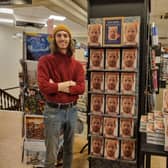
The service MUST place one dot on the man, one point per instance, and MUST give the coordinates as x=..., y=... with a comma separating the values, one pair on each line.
x=127, y=82
x=97, y=103
x=126, y=127
x=131, y=32
x=112, y=80
x=127, y=105
x=111, y=149
x=112, y=104
x=61, y=80
x=127, y=149
x=112, y=60
x=96, y=124
x=94, y=34
x=96, y=59
x=97, y=144
x=97, y=81
x=110, y=127
x=129, y=59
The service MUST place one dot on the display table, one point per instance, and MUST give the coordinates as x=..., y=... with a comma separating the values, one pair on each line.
x=11, y=138
x=148, y=150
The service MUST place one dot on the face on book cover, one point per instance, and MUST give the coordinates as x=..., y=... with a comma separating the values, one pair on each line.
x=127, y=104
x=96, y=58
x=131, y=32
x=129, y=58
x=111, y=148
x=96, y=124
x=94, y=33
x=112, y=81
x=110, y=126
x=97, y=102
x=112, y=104
x=127, y=148
x=128, y=82
x=112, y=58
x=97, y=79
x=97, y=145
x=126, y=127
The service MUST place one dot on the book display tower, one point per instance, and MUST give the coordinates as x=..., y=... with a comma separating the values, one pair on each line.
x=117, y=63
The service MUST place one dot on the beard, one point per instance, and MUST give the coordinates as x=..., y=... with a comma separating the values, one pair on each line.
x=97, y=149
x=127, y=153
x=127, y=110
x=96, y=129
x=112, y=86
x=96, y=63
x=131, y=38
x=112, y=63
x=96, y=107
x=111, y=153
x=112, y=108
x=97, y=85
x=128, y=86
x=94, y=39
x=110, y=131
x=126, y=132
x=129, y=63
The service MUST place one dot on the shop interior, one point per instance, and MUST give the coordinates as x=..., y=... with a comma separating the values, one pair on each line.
x=21, y=105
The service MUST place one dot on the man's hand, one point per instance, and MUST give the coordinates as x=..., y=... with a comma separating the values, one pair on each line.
x=51, y=81
x=64, y=86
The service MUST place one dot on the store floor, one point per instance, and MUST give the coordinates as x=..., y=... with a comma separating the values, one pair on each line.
x=11, y=145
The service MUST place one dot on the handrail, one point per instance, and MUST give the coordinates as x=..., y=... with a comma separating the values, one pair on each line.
x=11, y=88
x=8, y=102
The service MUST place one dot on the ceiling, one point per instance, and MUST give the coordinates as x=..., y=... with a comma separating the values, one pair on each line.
x=74, y=10
x=76, y=13
x=159, y=8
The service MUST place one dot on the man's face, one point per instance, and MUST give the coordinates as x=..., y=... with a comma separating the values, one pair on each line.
x=127, y=82
x=111, y=147
x=96, y=124
x=110, y=125
x=126, y=126
x=127, y=104
x=129, y=58
x=112, y=80
x=94, y=33
x=97, y=103
x=131, y=32
x=96, y=81
x=97, y=144
x=62, y=39
x=112, y=103
x=96, y=58
x=112, y=58
x=127, y=148
x=112, y=32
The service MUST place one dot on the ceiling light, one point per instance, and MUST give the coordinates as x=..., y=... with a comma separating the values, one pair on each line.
x=6, y=20
x=47, y=25
x=6, y=10
x=60, y=18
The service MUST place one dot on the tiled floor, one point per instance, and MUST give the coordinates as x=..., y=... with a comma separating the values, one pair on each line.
x=11, y=145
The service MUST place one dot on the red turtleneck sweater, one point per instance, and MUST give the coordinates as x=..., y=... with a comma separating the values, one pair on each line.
x=60, y=68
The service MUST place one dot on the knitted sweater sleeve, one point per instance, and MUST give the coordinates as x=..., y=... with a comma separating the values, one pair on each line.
x=79, y=88
x=43, y=78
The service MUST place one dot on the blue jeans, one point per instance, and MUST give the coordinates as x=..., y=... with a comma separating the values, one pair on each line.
x=58, y=121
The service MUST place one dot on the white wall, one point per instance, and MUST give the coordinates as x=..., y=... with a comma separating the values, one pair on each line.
x=10, y=54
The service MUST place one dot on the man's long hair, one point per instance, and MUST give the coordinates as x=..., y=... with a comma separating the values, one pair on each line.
x=55, y=49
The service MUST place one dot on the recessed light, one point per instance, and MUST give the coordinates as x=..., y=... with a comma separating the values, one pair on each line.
x=6, y=20
x=60, y=18
x=6, y=10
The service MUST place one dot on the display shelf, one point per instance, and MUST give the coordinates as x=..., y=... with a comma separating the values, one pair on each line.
x=102, y=10
x=107, y=70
